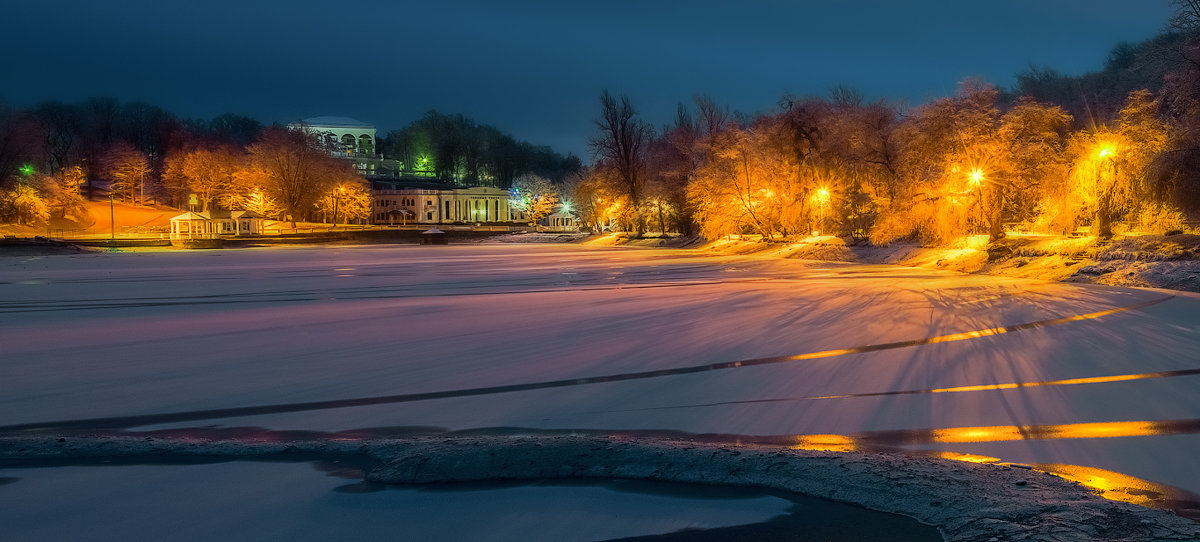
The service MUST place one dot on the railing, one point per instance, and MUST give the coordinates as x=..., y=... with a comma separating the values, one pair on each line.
x=186, y=235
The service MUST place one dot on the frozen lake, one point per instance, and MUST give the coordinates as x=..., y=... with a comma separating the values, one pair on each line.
x=376, y=340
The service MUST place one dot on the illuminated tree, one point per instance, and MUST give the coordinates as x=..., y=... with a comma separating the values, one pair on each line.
x=346, y=201
x=1033, y=137
x=63, y=197
x=127, y=169
x=1111, y=165
x=534, y=196
x=207, y=172
x=748, y=185
x=294, y=170
x=949, y=147
x=23, y=204
x=591, y=199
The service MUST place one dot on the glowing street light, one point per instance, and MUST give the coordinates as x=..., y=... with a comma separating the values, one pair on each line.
x=1103, y=224
x=822, y=197
x=337, y=198
x=976, y=178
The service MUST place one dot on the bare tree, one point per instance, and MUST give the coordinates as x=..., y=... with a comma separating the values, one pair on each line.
x=294, y=170
x=1187, y=15
x=621, y=145
x=126, y=169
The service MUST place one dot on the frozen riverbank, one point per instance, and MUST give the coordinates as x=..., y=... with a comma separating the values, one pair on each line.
x=965, y=501
x=1150, y=261
x=286, y=344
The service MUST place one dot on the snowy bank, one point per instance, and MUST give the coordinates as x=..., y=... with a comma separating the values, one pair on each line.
x=1150, y=261
x=965, y=501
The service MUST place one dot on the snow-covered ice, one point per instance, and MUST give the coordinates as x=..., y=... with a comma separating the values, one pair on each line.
x=384, y=339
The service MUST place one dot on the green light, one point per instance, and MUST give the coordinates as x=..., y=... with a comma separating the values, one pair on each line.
x=27, y=169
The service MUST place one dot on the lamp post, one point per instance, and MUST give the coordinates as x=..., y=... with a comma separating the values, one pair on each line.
x=822, y=196
x=337, y=198
x=1103, y=220
x=976, y=180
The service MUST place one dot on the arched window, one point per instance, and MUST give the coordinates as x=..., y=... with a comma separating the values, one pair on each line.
x=348, y=144
x=365, y=144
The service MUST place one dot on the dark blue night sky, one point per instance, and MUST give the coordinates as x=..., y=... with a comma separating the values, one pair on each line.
x=535, y=68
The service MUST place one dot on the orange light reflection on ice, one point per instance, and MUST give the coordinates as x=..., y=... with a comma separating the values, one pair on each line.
x=969, y=458
x=999, y=433
x=824, y=443
x=1113, y=486
x=1066, y=382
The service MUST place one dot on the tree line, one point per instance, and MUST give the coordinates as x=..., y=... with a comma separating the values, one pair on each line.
x=456, y=149
x=1116, y=150
x=55, y=156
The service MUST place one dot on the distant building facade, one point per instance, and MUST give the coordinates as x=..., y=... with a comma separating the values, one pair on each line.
x=429, y=203
x=353, y=140
x=403, y=194
x=350, y=136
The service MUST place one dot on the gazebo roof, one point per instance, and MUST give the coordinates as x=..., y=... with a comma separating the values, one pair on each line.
x=190, y=216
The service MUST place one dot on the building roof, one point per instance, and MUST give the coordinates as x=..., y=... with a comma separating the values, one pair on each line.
x=190, y=216
x=336, y=122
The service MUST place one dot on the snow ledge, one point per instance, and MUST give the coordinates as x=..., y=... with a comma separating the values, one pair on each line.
x=965, y=501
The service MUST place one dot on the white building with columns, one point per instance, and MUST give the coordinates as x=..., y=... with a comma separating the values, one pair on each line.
x=436, y=205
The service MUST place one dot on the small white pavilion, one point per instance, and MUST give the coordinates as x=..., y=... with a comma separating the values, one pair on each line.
x=192, y=225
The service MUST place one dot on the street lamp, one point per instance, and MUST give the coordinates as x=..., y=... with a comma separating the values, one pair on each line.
x=337, y=198
x=976, y=181
x=1103, y=225
x=822, y=197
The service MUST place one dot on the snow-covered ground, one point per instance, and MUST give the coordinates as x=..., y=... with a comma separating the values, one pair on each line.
x=380, y=340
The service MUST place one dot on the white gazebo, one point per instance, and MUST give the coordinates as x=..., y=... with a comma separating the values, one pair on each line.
x=560, y=222
x=203, y=226
x=193, y=226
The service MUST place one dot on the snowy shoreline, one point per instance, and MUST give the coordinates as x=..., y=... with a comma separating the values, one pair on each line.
x=965, y=501
x=1148, y=261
